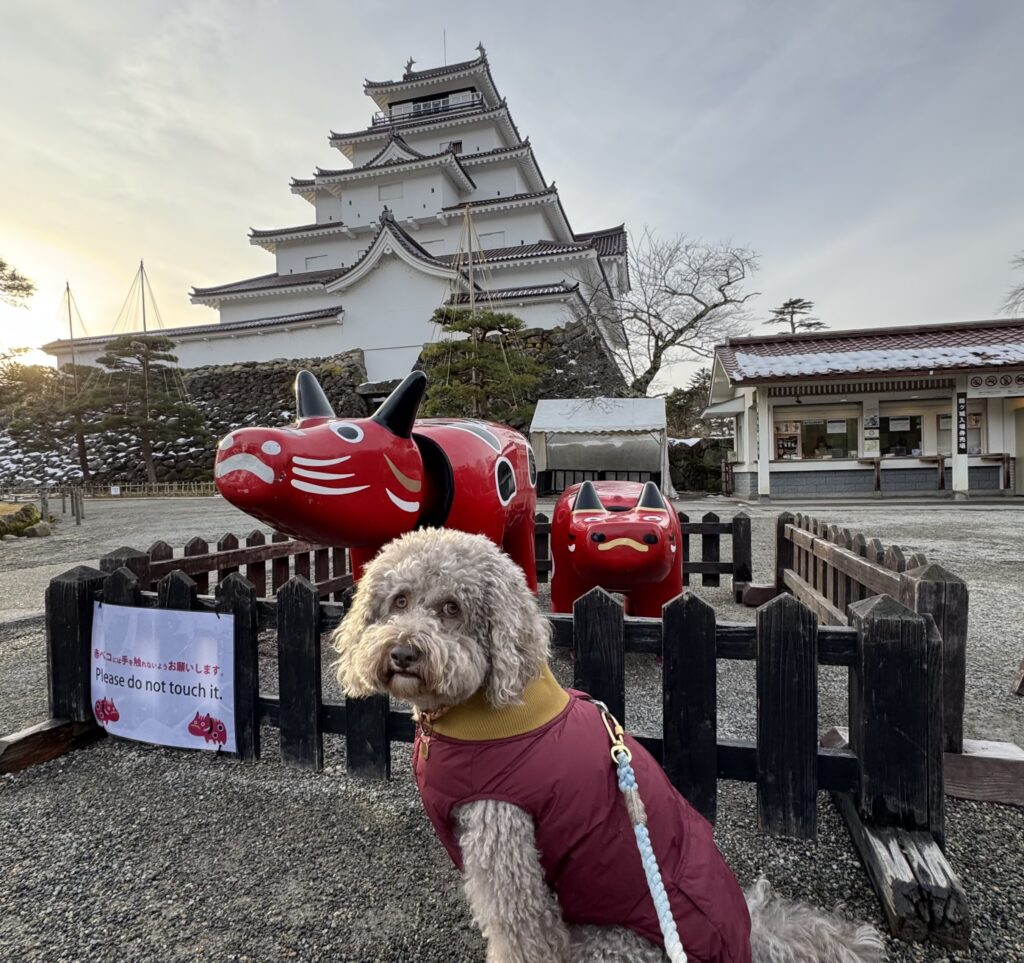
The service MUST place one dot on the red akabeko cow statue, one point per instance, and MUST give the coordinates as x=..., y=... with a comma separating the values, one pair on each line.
x=621, y=536
x=360, y=482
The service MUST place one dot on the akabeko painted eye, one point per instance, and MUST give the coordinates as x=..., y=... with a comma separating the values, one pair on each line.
x=652, y=518
x=348, y=432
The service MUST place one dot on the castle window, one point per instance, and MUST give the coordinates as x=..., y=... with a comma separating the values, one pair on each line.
x=455, y=145
x=493, y=239
x=316, y=262
x=389, y=192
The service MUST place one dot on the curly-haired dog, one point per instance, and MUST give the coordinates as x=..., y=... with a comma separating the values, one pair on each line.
x=515, y=775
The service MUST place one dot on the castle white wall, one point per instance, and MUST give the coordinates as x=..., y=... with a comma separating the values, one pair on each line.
x=275, y=305
x=496, y=180
x=328, y=208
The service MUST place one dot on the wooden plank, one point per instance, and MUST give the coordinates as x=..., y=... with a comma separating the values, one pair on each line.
x=894, y=559
x=844, y=584
x=932, y=590
x=256, y=570
x=207, y=561
x=69, y=612
x=45, y=741
x=368, y=737
x=822, y=608
x=298, y=664
x=949, y=915
x=876, y=579
x=122, y=588
x=742, y=556
x=787, y=718
x=322, y=569
x=228, y=542
x=891, y=876
x=236, y=596
x=542, y=545
x=302, y=565
x=894, y=716
x=194, y=548
x=159, y=553
x=598, y=635
x=986, y=771
x=685, y=536
x=783, y=549
x=710, y=568
x=859, y=547
x=280, y=565
x=130, y=558
x=177, y=591
x=339, y=567
x=706, y=528
x=709, y=550
x=690, y=699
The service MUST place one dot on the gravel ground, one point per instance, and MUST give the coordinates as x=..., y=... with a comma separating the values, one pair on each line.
x=128, y=852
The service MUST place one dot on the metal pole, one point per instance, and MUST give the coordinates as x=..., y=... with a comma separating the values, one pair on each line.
x=71, y=335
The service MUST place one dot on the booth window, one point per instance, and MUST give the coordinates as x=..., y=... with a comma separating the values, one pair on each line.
x=900, y=435
x=975, y=426
x=816, y=438
x=828, y=438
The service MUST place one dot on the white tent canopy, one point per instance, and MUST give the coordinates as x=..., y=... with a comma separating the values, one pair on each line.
x=626, y=434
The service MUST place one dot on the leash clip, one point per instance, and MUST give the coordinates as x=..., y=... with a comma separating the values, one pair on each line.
x=615, y=733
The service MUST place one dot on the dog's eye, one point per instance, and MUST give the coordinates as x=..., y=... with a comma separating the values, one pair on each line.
x=400, y=602
x=450, y=609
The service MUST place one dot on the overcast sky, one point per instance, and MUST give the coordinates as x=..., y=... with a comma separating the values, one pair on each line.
x=871, y=152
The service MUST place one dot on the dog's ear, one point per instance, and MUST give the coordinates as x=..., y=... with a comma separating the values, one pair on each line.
x=355, y=666
x=519, y=636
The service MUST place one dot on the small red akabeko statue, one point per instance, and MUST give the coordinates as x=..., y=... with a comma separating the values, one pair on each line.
x=621, y=536
x=360, y=482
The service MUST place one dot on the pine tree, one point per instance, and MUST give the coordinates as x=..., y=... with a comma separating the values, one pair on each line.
x=683, y=407
x=479, y=369
x=795, y=312
x=141, y=394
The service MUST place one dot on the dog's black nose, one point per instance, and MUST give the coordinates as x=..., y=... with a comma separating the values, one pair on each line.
x=650, y=539
x=599, y=536
x=403, y=656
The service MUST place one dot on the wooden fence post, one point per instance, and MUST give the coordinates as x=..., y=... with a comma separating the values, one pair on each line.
x=368, y=737
x=177, y=591
x=690, y=699
x=598, y=633
x=542, y=546
x=198, y=546
x=279, y=566
x=787, y=718
x=237, y=596
x=159, y=552
x=709, y=549
x=895, y=716
x=298, y=663
x=685, y=547
x=69, y=609
x=742, y=559
x=935, y=591
x=783, y=550
x=256, y=572
x=129, y=558
x=121, y=587
x=227, y=543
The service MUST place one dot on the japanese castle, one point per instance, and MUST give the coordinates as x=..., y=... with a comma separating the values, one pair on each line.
x=442, y=203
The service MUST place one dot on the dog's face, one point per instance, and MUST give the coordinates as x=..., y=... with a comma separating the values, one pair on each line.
x=438, y=615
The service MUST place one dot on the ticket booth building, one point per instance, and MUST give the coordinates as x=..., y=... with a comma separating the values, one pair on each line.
x=887, y=411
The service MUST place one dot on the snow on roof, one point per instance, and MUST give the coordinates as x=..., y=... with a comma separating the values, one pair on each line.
x=598, y=415
x=853, y=362
x=922, y=348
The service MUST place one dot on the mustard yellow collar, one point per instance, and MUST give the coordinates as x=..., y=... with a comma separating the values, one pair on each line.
x=476, y=720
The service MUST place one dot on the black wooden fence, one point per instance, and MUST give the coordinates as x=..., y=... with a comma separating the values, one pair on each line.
x=894, y=763
x=888, y=779
x=269, y=562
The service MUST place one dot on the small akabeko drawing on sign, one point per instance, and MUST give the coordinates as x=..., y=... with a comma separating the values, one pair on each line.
x=106, y=711
x=209, y=729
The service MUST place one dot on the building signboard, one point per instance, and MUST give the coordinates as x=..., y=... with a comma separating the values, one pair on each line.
x=961, y=422
x=1006, y=384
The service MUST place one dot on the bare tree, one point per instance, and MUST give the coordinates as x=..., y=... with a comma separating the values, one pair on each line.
x=1014, y=303
x=796, y=312
x=685, y=297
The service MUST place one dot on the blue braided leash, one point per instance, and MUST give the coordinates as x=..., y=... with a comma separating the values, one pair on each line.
x=623, y=759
